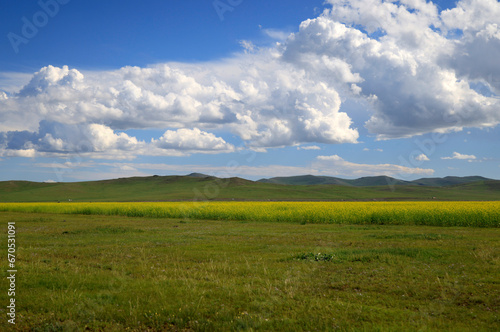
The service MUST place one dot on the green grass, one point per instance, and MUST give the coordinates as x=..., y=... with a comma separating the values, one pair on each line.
x=113, y=273
x=182, y=188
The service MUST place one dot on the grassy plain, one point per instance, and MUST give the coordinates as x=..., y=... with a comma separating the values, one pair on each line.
x=96, y=272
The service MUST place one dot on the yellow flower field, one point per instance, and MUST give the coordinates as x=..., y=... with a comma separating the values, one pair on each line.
x=475, y=214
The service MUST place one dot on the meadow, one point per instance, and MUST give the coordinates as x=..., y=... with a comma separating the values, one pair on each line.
x=255, y=266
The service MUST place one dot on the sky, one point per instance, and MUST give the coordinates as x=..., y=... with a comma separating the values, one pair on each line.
x=94, y=90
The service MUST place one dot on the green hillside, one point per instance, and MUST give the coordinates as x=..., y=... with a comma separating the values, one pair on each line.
x=448, y=180
x=306, y=180
x=378, y=181
x=368, y=181
x=188, y=188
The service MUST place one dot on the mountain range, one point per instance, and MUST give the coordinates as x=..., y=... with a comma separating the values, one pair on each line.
x=372, y=181
x=202, y=187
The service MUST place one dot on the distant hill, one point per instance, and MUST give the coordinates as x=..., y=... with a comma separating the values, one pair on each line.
x=306, y=180
x=315, y=180
x=449, y=180
x=198, y=187
x=378, y=181
x=198, y=175
x=372, y=181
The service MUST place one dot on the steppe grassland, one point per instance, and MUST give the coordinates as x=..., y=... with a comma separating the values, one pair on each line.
x=264, y=266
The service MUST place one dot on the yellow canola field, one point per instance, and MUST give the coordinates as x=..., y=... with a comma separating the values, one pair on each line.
x=475, y=214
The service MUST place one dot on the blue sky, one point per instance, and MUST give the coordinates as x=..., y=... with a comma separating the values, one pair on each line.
x=104, y=89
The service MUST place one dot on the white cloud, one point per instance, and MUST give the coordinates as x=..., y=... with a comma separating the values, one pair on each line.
x=25, y=153
x=460, y=156
x=53, y=139
x=68, y=164
x=276, y=34
x=247, y=45
x=56, y=139
x=192, y=140
x=127, y=168
x=476, y=53
x=12, y=82
x=309, y=147
x=404, y=60
x=270, y=105
x=401, y=64
x=104, y=139
x=422, y=157
x=336, y=165
x=471, y=15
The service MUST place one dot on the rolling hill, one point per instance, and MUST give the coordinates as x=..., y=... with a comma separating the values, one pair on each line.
x=200, y=187
x=372, y=181
x=449, y=181
x=306, y=180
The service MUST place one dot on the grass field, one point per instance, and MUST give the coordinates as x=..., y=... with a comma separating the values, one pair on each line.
x=113, y=272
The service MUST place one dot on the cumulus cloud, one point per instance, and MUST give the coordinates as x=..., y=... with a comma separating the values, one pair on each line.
x=57, y=139
x=417, y=70
x=272, y=104
x=54, y=138
x=410, y=71
x=471, y=15
x=460, y=156
x=193, y=140
x=422, y=157
x=475, y=54
x=336, y=165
